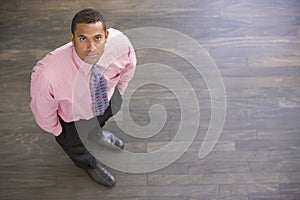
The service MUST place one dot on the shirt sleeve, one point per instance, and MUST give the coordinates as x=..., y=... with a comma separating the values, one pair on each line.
x=43, y=105
x=128, y=72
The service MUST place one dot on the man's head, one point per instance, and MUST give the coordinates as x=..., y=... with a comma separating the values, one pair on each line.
x=89, y=34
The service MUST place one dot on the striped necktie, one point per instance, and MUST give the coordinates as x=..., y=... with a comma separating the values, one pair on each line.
x=98, y=91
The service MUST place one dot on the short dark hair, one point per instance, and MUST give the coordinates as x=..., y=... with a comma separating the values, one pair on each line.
x=88, y=16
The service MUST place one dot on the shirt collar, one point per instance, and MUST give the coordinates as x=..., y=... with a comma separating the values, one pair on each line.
x=82, y=66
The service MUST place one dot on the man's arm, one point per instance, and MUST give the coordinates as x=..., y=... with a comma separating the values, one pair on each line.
x=128, y=72
x=43, y=105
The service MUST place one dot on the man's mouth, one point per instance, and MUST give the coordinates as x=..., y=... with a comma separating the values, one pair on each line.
x=93, y=54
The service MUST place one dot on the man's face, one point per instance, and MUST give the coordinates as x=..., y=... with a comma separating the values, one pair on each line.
x=89, y=40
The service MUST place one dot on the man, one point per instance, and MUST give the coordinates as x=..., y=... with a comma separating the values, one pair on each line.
x=81, y=81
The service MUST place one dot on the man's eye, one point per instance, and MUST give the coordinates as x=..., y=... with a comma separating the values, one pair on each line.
x=98, y=37
x=82, y=39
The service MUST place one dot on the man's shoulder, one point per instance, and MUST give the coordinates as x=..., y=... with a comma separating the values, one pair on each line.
x=60, y=54
x=117, y=37
x=113, y=32
x=117, y=42
x=56, y=57
x=53, y=63
x=62, y=49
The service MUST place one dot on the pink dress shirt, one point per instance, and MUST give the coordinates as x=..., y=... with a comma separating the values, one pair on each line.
x=60, y=81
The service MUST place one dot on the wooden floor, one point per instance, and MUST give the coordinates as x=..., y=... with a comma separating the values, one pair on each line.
x=256, y=46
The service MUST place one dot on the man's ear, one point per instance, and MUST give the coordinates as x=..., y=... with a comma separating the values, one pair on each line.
x=72, y=38
x=106, y=35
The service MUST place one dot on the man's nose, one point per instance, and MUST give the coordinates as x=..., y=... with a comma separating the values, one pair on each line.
x=91, y=46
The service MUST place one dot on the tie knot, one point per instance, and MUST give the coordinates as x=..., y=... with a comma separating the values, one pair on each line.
x=95, y=68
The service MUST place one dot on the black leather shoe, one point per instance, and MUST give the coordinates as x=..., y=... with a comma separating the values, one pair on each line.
x=101, y=176
x=111, y=141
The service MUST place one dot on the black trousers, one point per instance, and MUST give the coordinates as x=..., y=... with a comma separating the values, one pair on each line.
x=71, y=143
